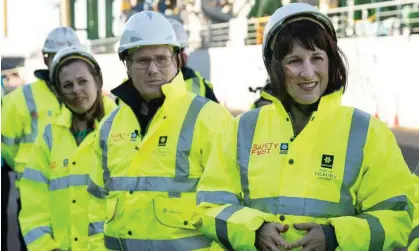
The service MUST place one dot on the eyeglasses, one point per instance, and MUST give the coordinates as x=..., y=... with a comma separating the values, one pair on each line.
x=159, y=61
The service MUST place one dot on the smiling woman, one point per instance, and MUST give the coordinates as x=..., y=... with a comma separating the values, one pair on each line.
x=306, y=172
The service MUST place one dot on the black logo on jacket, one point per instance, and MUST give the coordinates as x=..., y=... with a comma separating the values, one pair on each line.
x=327, y=161
x=162, y=140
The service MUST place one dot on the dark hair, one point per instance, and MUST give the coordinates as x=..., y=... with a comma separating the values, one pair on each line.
x=97, y=112
x=307, y=34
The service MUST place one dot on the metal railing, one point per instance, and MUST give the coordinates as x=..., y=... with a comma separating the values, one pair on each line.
x=375, y=19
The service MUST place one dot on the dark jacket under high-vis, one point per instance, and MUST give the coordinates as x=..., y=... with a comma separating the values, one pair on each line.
x=53, y=187
x=343, y=170
x=143, y=185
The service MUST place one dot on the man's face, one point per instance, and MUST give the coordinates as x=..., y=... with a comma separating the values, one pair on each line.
x=150, y=68
x=13, y=79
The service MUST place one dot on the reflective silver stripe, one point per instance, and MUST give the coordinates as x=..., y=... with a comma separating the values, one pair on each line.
x=36, y=233
x=30, y=103
x=196, y=86
x=34, y=175
x=68, y=181
x=96, y=228
x=156, y=184
x=48, y=136
x=378, y=235
x=300, y=206
x=416, y=172
x=184, y=244
x=398, y=203
x=305, y=206
x=217, y=197
x=95, y=190
x=354, y=154
x=185, y=138
x=413, y=235
x=221, y=226
x=105, y=130
x=245, y=134
x=10, y=141
x=181, y=181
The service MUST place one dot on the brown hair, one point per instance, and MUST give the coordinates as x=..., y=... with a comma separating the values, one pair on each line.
x=307, y=34
x=97, y=112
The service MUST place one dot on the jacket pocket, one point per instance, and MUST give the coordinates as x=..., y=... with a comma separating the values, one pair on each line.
x=111, y=209
x=175, y=212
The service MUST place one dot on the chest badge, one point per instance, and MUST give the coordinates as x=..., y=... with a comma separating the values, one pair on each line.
x=65, y=162
x=283, y=149
x=162, y=140
x=134, y=135
x=327, y=161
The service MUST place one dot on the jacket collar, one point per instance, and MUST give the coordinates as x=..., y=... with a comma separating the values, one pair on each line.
x=129, y=95
x=65, y=118
x=328, y=103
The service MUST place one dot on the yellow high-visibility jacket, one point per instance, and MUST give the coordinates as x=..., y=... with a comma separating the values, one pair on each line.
x=414, y=235
x=344, y=169
x=147, y=183
x=25, y=113
x=197, y=84
x=53, y=187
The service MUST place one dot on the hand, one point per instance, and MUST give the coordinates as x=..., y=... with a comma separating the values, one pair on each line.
x=313, y=241
x=268, y=238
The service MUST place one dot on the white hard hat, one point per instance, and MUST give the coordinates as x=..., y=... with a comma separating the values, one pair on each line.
x=180, y=31
x=59, y=38
x=73, y=52
x=290, y=11
x=144, y=29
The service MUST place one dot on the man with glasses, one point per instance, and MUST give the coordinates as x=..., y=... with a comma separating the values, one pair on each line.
x=152, y=150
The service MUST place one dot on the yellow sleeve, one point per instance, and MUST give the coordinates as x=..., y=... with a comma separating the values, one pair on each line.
x=35, y=216
x=413, y=242
x=384, y=199
x=220, y=214
x=215, y=120
x=12, y=120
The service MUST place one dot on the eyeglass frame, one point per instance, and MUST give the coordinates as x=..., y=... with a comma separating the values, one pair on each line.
x=153, y=59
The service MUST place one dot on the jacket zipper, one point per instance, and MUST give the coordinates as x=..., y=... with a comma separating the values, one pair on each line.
x=292, y=124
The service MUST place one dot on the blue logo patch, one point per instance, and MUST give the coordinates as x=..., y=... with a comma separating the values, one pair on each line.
x=65, y=162
x=134, y=136
x=283, y=149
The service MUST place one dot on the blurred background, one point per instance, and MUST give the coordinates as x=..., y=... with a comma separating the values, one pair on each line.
x=380, y=39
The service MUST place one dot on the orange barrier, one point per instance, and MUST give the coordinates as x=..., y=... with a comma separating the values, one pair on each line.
x=260, y=28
